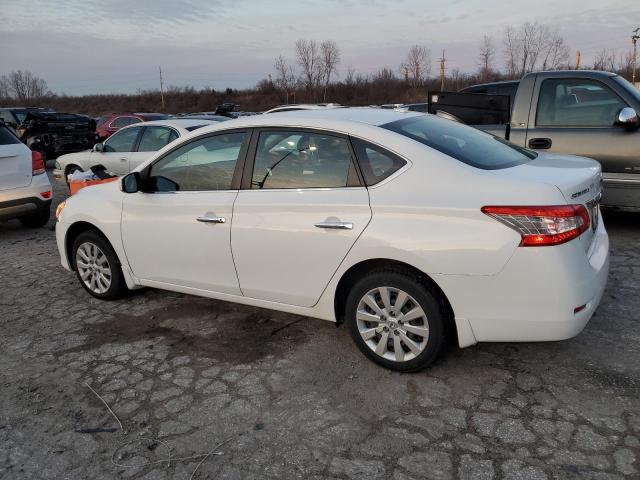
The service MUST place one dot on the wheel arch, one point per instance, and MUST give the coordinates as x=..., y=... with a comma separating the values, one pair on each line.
x=360, y=269
x=74, y=231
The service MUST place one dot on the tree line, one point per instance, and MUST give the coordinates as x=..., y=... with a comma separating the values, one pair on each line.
x=314, y=75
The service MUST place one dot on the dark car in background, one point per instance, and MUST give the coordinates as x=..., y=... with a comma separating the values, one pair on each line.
x=55, y=133
x=110, y=124
x=14, y=116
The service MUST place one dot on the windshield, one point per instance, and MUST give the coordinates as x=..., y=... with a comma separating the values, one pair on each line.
x=464, y=143
x=628, y=87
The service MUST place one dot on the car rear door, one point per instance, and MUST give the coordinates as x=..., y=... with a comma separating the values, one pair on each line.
x=177, y=232
x=301, y=209
x=15, y=161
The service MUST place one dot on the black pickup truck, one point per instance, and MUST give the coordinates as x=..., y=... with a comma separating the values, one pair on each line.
x=52, y=133
x=588, y=113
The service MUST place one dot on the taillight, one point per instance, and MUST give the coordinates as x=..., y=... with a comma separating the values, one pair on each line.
x=545, y=225
x=37, y=163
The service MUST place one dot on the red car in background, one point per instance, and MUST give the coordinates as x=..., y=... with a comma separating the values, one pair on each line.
x=112, y=123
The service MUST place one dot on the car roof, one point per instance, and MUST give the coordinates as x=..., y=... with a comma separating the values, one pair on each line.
x=182, y=123
x=321, y=118
x=306, y=106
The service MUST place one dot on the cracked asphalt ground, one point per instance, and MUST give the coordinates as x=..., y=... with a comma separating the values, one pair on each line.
x=291, y=396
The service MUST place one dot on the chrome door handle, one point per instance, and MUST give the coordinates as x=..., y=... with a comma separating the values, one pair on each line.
x=335, y=225
x=207, y=219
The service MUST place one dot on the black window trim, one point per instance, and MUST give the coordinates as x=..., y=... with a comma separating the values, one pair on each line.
x=390, y=152
x=594, y=80
x=354, y=175
x=237, y=173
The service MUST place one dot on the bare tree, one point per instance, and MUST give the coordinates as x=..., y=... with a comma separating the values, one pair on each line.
x=625, y=65
x=23, y=85
x=606, y=60
x=330, y=57
x=4, y=88
x=554, y=50
x=533, y=46
x=485, y=60
x=310, y=61
x=417, y=65
x=285, y=77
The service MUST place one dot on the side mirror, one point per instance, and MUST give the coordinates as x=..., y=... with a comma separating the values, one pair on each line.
x=98, y=147
x=130, y=183
x=628, y=118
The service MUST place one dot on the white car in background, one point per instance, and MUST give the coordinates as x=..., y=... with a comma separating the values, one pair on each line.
x=25, y=191
x=128, y=147
x=407, y=227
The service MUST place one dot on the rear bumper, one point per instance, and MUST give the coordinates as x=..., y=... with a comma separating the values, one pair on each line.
x=22, y=206
x=17, y=202
x=534, y=297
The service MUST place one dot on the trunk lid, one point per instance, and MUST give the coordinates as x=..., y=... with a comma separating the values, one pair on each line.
x=579, y=180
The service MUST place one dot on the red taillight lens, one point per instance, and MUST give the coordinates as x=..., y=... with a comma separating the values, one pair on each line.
x=37, y=163
x=46, y=194
x=544, y=225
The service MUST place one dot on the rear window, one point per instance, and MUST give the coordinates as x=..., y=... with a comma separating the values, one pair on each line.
x=465, y=144
x=6, y=137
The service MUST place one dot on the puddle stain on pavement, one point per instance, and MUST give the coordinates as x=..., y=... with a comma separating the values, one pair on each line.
x=202, y=327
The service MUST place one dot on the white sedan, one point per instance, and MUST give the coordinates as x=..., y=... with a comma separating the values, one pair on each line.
x=128, y=147
x=409, y=228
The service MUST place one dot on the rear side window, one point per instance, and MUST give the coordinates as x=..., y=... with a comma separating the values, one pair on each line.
x=298, y=159
x=464, y=143
x=154, y=138
x=376, y=163
x=6, y=137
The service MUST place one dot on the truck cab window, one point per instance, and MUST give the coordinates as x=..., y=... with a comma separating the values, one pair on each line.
x=577, y=103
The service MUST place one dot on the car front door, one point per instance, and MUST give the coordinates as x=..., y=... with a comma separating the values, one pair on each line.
x=301, y=209
x=117, y=150
x=177, y=231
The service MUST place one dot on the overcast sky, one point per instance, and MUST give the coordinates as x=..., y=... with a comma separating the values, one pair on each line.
x=105, y=46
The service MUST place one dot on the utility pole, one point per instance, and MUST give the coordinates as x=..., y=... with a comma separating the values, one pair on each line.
x=578, y=58
x=161, y=89
x=634, y=39
x=442, y=62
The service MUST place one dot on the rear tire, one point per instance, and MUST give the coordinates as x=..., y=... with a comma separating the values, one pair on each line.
x=38, y=219
x=395, y=320
x=97, y=266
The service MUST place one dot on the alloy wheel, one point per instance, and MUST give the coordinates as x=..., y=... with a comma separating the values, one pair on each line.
x=93, y=267
x=392, y=324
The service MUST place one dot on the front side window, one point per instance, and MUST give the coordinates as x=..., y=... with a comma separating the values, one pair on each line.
x=577, y=103
x=155, y=138
x=297, y=159
x=122, y=140
x=124, y=121
x=204, y=164
x=375, y=162
x=465, y=144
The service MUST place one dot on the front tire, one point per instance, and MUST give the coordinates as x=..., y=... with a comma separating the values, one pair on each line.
x=395, y=320
x=38, y=219
x=97, y=266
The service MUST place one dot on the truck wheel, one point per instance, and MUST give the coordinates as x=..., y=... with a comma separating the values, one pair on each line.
x=38, y=219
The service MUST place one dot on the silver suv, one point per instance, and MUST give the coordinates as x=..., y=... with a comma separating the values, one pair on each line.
x=25, y=191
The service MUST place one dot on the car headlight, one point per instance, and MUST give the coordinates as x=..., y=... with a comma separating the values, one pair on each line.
x=59, y=210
